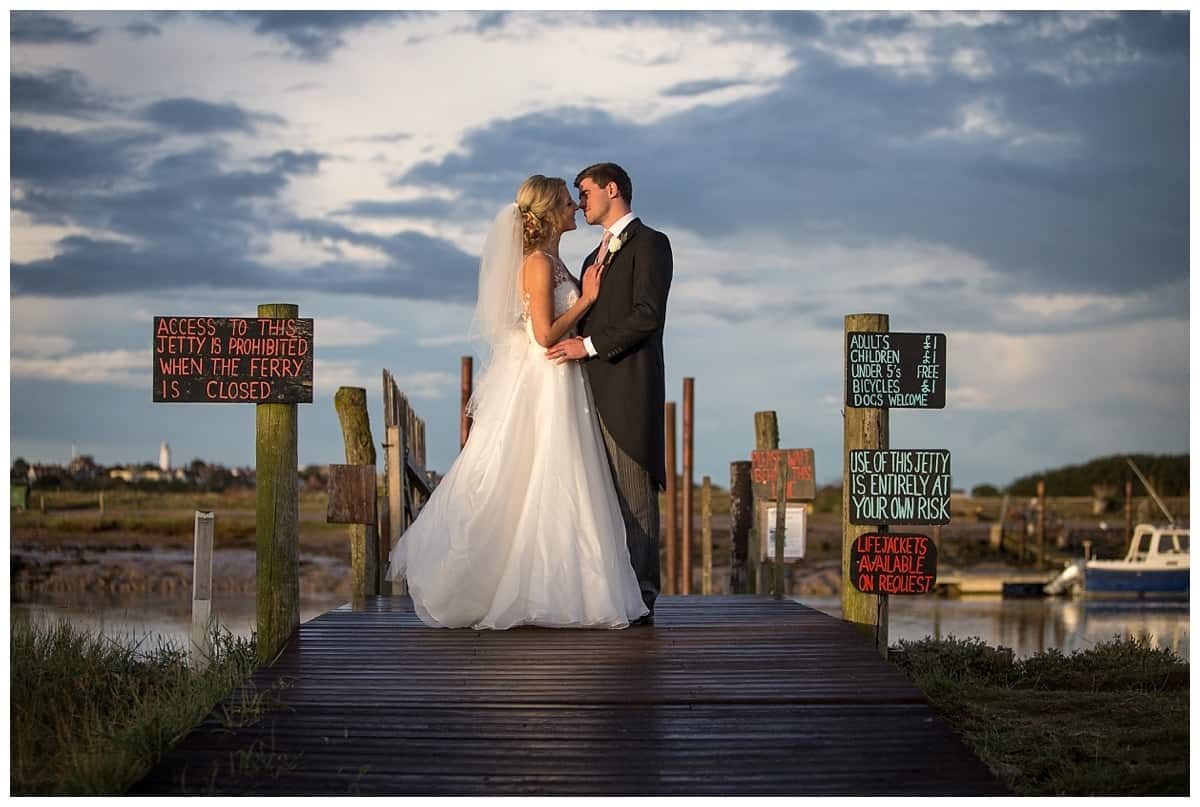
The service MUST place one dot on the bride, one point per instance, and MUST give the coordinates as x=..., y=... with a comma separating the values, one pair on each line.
x=525, y=528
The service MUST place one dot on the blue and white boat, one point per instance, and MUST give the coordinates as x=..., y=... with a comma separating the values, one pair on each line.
x=1156, y=565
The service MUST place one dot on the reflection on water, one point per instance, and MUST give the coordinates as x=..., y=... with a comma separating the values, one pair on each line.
x=150, y=617
x=1030, y=626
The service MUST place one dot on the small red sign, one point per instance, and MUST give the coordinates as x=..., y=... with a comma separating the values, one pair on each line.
x=764, y=473
x=893, y=563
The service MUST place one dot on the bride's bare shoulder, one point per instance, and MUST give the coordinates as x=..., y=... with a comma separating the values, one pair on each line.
x=537, y=269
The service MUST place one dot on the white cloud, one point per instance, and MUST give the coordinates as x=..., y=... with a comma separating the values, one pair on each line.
x=329, y=375
x=972, y=62
x=289, y=250
x=41, y=345
x=433, y=385
x=128, y=368
x=1138, y=366
x=347, y=332
x=444, y=341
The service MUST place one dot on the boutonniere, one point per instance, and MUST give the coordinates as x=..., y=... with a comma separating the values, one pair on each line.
x=614, y=244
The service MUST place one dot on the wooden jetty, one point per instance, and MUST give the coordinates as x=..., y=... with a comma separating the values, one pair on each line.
x=968, y=583
x=723, y=695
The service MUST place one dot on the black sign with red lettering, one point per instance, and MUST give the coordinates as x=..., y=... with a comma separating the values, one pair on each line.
x=233, y=360
x=893, y=563
x=764, y=473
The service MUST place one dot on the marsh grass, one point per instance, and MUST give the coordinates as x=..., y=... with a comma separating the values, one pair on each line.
x=92, y=715
x=1110, y=720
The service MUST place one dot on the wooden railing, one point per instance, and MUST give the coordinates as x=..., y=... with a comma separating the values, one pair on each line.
x=406, y=483
x=377, y=514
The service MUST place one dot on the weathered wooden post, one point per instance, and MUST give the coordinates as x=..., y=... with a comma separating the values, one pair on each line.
x=351, y=406
x=383, y=527
x=266, y=360
x=741, y=522
x=1041, y=524
x=202, y=555
x=685, y=504
x=394, y=471
x=883, y=487
x=706, y=536
x=779, y=476
x=464, y=419
x=672, y=501
x=766, y=437
x=863, y=427
x=277, y=514
x=101, y=505
x=780, y=524
x=1024, y=538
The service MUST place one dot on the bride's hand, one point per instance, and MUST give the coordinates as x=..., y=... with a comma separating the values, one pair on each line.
x=591, y=282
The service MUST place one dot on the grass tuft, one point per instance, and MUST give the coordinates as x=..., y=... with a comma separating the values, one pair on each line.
x=1109, y=720
x=91, y=715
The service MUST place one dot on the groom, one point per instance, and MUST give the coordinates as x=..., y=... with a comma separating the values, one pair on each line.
x=621, y=345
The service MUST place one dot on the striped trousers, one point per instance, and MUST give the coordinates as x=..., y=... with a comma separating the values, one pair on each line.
x=638, y=497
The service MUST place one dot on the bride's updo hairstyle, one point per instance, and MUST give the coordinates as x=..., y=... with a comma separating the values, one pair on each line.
x=538, y=199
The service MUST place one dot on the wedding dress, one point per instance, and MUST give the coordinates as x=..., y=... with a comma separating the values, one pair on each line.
x=524, y=528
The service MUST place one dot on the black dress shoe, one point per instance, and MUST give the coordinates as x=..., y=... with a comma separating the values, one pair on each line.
x=648, y=619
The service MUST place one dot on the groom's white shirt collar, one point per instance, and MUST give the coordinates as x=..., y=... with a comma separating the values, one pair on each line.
x=618, y=227
x=621, y=223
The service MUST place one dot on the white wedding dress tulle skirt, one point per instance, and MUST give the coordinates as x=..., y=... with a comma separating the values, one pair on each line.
x=525, y=528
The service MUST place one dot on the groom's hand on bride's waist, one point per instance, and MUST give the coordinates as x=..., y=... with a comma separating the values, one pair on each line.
x=567, y=350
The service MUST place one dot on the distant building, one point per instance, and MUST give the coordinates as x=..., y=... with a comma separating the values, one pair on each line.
x=83, y=467
x=164, y=457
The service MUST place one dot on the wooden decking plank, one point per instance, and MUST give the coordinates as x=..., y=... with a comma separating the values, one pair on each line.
x=723, y=695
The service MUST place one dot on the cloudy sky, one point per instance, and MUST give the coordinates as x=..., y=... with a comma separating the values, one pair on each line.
x=1016, y=181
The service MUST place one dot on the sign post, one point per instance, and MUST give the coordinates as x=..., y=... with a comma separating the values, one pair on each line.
x=862, y=428
x=781, y=476
x=882, y=487
x=268, y=361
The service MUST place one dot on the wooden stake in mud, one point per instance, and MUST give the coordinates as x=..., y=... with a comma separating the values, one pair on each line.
x=780, y=524
x=464, y=420
x=862, y=428
x=766, y=436
x=351, y=405
x=672, y=502
x=1041, y=523
x=706, y=536
x=202, y=554
x=277, y=509
x=685, y=504
x=741, y=522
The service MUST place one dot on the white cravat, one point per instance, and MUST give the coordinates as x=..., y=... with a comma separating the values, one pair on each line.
x=616, y=229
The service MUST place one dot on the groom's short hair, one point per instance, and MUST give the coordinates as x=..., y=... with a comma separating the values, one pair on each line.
x=604, y=173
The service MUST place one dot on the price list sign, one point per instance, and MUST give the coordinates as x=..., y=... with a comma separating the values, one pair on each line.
x=896, y=370
x=233, y=360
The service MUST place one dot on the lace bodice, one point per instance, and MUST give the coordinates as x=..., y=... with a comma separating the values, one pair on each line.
x=566, y=294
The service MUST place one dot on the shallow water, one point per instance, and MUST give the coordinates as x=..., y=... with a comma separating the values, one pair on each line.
x=151, y=618
x=1027, y=626
x=1032, y=625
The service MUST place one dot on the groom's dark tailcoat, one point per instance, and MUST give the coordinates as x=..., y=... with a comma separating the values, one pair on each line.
x=626, y=328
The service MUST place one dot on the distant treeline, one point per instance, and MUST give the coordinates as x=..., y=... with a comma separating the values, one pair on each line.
x=1167, y=472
